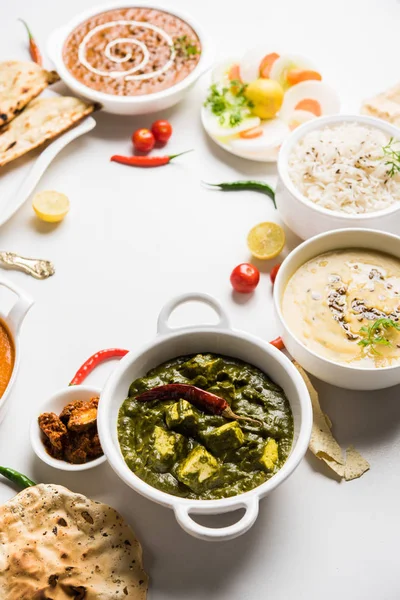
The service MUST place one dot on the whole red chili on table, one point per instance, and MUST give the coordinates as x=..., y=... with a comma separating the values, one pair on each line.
x=33, y=47
x=145, y=161
x=278, y=343
x=95, y=360
x=196, y=396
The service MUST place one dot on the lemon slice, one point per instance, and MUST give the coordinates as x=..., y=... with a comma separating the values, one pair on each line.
x=50, y=206
x=266, y=240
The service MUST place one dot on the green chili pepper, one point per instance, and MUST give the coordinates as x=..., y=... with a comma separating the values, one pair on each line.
x=16, y=477
x=255, y=186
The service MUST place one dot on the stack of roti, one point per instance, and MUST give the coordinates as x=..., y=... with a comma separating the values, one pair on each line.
x=25, y=121
x=59, y=545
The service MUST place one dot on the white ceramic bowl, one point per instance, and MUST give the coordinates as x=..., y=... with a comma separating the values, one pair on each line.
x=13, y=321
x=220, y=338
x=307, y=219
x=130, y=105
x=341, y=375
x=55, y=404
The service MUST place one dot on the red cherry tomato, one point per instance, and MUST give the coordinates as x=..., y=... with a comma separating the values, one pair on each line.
x=274, y=272
x=162, y=130
x=245, y=278
x=143, y=140
x=278, y=343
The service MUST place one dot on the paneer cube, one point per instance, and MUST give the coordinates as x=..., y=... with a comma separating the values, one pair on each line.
x=163, y=450
x=181, y=416
x=198, y=469
x=226, y=437
x=270, y=455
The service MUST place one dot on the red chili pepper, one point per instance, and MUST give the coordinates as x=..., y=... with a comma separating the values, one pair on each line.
x=146, y=161
x=278, y=343
x=95, y=360
x=274, y=273
x=200, y=398
x=33, y=47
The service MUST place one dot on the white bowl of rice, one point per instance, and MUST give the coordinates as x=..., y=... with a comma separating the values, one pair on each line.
x=340, y=171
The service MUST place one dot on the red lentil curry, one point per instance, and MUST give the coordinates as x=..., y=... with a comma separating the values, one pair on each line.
x=7, y=357
x=132, y=51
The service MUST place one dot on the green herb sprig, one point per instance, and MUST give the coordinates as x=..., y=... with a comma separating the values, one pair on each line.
x=393, y=157
x=229, y=103
x=374, y=334
x=185, y=46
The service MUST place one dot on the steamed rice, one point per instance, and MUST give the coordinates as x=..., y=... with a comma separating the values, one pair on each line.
x=342, y=168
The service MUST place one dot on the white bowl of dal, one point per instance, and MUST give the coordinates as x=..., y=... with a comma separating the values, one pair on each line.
x=307, y=218
x=91, y=52
x=301, y=335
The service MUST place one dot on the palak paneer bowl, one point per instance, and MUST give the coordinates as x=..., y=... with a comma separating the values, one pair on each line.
x=170, y=450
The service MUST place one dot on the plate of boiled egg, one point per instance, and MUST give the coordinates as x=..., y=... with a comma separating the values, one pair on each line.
x=254, y=103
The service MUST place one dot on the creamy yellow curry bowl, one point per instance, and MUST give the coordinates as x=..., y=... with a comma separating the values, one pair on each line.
x=342, y=374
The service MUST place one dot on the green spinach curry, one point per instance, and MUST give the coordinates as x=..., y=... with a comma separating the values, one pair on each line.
x=183, y=451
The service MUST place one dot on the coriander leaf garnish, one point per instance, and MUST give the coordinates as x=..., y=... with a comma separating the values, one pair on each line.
x=374, y=334
x=229, y=103
x=393, y=157
x=185, y=46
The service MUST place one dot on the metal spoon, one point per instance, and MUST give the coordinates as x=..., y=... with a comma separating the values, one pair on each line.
x=37, y=267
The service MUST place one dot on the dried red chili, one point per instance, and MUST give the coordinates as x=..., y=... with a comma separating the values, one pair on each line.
x=196, y=396
x=278, y=343
x=33, y=47
x=145, y=161
x=95, y=360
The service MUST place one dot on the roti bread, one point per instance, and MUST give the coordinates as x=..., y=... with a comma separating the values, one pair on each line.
x=59, y=545
x=384, y=106
x=20, y=82
x=42, y=120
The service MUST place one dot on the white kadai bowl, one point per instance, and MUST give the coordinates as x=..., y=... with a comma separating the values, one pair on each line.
x=13, y=322
x=170, y=343
x=305, y=218
x=130, y=105
x=339, y=374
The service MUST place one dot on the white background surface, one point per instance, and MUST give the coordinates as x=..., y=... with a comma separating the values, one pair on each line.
x=133, y=239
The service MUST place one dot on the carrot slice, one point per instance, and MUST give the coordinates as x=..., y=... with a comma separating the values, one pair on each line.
x=311, y=105
x=252, y=133
x=266, y=64
x=234, y=73
x=297, y=75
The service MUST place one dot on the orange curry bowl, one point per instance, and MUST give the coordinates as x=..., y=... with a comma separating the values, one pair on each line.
x=10, y=325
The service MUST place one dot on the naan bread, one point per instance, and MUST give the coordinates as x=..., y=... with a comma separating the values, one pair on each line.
x=42, y=120
x=20, y=82
x=384, y=106
x=61, y=545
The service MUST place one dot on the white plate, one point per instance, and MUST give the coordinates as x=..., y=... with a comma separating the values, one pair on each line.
x=19, y=178
x=257, y=157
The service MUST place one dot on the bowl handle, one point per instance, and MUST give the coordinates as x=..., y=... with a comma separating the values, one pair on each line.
x=162, y=323
x=210, y=534
x=18, y=312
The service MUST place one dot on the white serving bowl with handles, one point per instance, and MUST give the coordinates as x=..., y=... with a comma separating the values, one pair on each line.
x=339, y=374
x=221, y=338
x=13, y=320
x=305, y=218
x=130, y=105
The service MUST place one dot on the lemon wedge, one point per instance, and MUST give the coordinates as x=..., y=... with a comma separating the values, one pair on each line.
x=266, y=240
x=50, y=206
